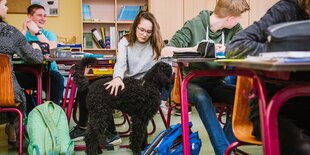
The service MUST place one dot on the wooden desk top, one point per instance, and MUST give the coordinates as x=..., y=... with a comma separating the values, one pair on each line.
x=193, y=59
x=75, y=59
x=265, y=65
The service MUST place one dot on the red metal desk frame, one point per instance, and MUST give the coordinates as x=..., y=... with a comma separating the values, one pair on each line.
x=36, y=70
x=269, y=109
x=255, y=70
x=184, y=84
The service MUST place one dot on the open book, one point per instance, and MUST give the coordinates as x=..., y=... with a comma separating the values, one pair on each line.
x=284, y=57
x=286, y=54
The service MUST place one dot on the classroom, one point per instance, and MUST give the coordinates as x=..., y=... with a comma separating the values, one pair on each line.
x=146, y=77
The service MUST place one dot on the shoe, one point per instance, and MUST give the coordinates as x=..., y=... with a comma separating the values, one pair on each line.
x=178, y=111
x=113, y=140
x=77, y=133
x=163, y=107
x=10, y=131
x=117, y=114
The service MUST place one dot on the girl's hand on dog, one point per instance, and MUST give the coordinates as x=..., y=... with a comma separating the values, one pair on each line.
x=114, y=85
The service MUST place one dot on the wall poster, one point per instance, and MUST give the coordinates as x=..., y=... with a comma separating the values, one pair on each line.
x=51, y=6
x=18, y=6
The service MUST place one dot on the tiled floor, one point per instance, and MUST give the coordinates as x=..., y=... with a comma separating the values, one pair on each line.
x=206, y=148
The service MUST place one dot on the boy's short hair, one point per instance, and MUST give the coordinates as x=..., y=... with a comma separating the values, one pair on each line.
x=32, y=8
x=235, y=8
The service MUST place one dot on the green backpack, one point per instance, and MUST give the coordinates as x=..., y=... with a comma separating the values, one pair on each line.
x=48, y=131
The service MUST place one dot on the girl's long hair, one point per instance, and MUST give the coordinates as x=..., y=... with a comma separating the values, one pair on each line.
x=156, y=40
x=305, y=5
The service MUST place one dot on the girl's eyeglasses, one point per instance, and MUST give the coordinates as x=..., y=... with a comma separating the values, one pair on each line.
x=142, y=31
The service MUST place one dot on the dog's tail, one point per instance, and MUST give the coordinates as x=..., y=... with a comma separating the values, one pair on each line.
x=78, y=73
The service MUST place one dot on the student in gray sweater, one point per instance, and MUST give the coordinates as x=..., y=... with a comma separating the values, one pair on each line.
x=138, y=51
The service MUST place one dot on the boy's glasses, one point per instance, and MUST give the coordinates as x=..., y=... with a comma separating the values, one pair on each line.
x=142, y=31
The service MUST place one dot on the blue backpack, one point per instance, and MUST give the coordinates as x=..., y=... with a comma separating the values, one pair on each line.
x=48, y=131
x=169, y=142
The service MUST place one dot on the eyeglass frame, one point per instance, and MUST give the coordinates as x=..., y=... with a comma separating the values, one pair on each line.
x=142, y=31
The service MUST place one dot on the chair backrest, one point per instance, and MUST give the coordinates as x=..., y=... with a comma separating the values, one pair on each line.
x=241, y=124
x=6, y=84
x=176, y=87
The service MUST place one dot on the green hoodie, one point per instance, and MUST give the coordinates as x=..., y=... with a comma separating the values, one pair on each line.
x=194, y=31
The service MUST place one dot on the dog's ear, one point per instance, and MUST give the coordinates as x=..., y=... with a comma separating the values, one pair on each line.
x=163, y=82
x=166, y=77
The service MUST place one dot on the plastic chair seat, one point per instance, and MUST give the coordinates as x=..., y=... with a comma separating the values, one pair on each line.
x=241, y=124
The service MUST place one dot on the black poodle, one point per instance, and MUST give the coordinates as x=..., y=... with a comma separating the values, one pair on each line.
x=140, y=100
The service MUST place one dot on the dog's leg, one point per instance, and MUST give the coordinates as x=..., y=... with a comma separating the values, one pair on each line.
x=144, y=142
x=95, y=132
x=138, y=134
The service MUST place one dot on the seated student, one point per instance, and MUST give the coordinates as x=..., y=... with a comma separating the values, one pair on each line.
x=33, y=30
x=293, y=123
x=13, y=42
x=138, y=51
x=220, y=26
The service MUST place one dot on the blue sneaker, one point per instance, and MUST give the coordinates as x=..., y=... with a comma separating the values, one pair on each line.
x=77, y=133
x=113, y=140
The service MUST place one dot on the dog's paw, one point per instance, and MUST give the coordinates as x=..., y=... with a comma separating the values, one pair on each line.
x=137, y=153
x=99, y=151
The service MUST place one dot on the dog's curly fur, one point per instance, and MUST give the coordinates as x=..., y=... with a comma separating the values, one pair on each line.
x=140, y=100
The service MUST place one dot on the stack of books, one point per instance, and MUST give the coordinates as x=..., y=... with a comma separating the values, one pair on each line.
x=101, y=40
x=128, y=13
x=121, y=33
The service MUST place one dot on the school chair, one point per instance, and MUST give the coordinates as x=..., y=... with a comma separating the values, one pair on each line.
x=241, y=124
x=68, y=101
x=7, y=101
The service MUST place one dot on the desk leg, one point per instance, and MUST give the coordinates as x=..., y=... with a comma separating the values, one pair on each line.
x=39, y=87
x=273, y=108
x=48, y=82
x=48, y=86
x=259, y=85
x=184, y=116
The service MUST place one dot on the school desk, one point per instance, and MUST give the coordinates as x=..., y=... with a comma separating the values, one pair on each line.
x=181, y=62
x=280, y=71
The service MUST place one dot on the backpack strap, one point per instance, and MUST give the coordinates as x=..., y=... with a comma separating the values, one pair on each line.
x=51, y=115
x=164, y=147
x=155, y=143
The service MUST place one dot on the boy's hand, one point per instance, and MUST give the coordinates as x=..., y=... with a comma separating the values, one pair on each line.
x=32, y=27
x=220, y=48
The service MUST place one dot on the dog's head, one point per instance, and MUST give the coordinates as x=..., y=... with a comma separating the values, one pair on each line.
x=78, y=73
x=159, y=75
